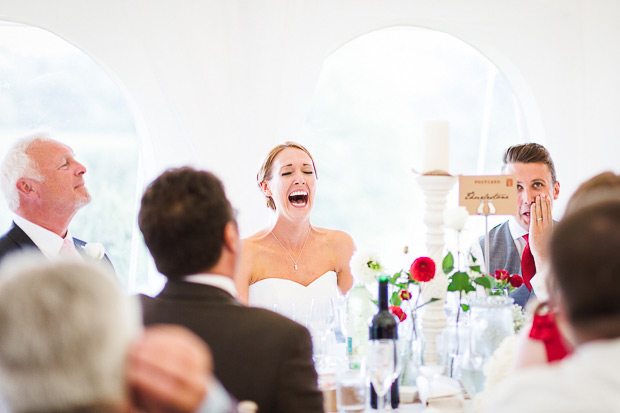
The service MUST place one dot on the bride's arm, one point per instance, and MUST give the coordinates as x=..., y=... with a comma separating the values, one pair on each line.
x=344, y=248
x=244, y=272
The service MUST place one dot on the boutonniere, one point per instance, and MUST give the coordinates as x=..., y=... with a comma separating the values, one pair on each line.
x=94, y=250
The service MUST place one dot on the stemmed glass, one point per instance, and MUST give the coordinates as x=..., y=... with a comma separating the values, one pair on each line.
x=382, y=367
x=322, y=321
x=286, y=309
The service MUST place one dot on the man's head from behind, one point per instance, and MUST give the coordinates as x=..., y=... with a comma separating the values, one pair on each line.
x=586, y=263
x=534, y=171
x=66, y=330
x=188, y=223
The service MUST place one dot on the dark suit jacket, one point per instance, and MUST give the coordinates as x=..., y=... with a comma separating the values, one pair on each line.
x=258, y=355
x=17, y=240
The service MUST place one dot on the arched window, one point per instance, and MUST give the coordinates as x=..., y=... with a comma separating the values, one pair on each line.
x=365, y=128
x=48, y=84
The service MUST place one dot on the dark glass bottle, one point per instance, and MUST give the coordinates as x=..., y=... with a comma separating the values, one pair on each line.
x=384, y=325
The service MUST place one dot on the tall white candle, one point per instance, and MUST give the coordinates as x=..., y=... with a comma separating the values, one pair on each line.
x=436, y=147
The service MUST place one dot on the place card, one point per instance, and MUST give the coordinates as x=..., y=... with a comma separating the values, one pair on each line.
x=488, y=194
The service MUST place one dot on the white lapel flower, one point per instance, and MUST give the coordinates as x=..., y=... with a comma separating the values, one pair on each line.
x=365, y=266
x=94, y=250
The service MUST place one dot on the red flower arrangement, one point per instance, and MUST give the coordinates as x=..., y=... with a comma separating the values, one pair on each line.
x=404, y=295
x=398, y=312
x=422, y=269
x=506, y=282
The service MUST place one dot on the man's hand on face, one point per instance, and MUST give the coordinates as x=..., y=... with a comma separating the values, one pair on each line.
x=541, y=224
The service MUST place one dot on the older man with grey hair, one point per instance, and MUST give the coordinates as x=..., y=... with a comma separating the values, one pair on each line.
x=66, y=331
x=43, y=184
x=75, y=343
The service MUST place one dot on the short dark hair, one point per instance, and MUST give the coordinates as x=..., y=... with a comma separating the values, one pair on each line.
x=530, y=153
x=182, y=217
x=586, y=263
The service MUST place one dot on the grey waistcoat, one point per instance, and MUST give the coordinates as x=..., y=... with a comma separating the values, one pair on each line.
x=505, y=256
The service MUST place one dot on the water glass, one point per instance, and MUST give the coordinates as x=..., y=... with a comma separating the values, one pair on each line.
x=351, y=391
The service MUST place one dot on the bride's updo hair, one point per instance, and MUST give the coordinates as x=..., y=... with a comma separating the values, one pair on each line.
x=265, y=172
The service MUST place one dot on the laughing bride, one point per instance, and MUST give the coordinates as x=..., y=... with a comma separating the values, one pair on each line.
x=291, y=262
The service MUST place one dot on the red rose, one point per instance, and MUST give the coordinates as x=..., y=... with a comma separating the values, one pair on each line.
x=501, y=275
x=398, y=312
x=404, y=295
x=422, y=269
x=516, y=281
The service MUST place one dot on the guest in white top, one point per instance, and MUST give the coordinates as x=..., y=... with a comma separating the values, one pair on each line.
x=585, y=263
x=292, y=260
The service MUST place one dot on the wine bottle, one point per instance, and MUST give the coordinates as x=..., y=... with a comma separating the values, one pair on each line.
x=359, y=310
x=384, y=326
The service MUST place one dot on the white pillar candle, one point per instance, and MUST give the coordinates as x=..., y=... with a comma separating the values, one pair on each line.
x=436, y=147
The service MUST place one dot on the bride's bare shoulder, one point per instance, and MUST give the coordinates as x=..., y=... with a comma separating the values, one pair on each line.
x=255, y=241
x=335, y=236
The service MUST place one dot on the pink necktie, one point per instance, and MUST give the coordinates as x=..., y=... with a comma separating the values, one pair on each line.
x=68, y=249
x=528, y=266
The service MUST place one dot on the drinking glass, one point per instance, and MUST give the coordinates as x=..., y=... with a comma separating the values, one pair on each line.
x=382, y=367
x=322, y=322
x=286, y=309
x=351, y=391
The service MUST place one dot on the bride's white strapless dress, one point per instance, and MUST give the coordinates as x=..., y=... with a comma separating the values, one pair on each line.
x=290, y=298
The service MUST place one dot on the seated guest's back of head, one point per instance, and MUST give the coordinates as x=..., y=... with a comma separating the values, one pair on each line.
x=66, y=328
x=586, y=263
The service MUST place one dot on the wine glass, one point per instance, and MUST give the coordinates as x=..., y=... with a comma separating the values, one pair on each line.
x=382, y=367
x=322, y=322
x=286, y=309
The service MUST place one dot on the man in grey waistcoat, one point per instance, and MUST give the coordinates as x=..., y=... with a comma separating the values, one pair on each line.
x=519, y=245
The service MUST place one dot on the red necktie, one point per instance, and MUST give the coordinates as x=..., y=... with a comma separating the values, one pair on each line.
x=528, y=266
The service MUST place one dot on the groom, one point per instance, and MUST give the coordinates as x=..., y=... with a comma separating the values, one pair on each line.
x=43, y=184
x=190, y=230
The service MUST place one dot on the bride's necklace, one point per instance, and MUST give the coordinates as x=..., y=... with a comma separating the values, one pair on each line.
x=289, y=254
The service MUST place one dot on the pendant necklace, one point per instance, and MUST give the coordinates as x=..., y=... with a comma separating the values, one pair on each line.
x=289, y=254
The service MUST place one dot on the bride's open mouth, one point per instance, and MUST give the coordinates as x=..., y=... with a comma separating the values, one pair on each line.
x=298, y=198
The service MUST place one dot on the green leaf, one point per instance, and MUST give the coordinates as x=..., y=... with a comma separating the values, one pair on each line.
x=395, y=299
x=465, y=307
x=448, y=263
x=486, y=281
x=395, y=277
x=483, y=281
x=460, y=281
x=475, y=268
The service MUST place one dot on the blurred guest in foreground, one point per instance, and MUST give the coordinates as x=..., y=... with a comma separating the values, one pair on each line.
x=189, y=227
x=546, y=341
x=72, y=341
x=585, y=265
x=44, y=186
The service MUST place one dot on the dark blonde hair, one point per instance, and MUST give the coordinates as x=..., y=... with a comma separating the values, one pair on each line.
x=530, y=153
x=602, y=187
x=265, y=170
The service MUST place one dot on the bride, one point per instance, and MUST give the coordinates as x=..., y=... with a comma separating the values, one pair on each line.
x=287, y=264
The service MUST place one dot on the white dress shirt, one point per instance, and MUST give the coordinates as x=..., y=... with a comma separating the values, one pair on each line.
x=220, y=281
x=48, y=242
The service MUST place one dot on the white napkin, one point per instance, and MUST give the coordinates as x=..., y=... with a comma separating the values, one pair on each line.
x=440, y=392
